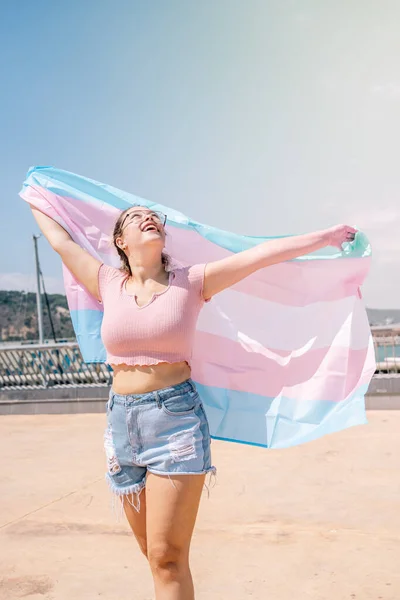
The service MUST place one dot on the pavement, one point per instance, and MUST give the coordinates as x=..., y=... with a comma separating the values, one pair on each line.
x=314, y=522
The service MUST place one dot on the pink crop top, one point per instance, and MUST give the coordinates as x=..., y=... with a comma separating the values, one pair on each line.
x=160, y=331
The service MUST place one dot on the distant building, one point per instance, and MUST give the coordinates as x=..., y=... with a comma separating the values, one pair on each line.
x=392, y=330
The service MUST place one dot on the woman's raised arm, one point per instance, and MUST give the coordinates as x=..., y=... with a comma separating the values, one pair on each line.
x=81, y=264
x=224, y=273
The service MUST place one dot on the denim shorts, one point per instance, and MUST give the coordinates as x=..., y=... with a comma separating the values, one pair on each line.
x=163, y=432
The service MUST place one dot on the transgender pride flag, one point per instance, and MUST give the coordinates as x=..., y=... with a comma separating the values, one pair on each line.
x=283, y=357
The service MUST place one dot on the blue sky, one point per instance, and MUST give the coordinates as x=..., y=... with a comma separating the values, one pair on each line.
x=260, y=117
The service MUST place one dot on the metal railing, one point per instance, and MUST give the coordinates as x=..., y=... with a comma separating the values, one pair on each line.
x=46, y=365
x=387, y=353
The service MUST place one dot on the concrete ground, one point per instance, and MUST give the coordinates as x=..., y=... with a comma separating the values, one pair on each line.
x=319, y=521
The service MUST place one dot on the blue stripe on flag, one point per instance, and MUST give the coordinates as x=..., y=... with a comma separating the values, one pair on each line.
x=277, y=422
x=87, y=324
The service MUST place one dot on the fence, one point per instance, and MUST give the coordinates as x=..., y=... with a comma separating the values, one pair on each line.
x=47, y=365
x=387, y=352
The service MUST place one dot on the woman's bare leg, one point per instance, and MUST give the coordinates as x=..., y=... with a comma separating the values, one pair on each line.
x=137, y=520
x=172, y=505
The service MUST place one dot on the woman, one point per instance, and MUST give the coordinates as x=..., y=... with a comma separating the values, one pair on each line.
x=157, y=439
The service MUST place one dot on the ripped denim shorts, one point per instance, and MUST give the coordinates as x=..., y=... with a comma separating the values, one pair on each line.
x=163, y=432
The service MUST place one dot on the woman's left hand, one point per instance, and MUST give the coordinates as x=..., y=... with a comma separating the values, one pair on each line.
x=339, y=235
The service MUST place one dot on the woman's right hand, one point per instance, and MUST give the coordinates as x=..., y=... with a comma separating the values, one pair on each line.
x=82, y=265
x=339, y=235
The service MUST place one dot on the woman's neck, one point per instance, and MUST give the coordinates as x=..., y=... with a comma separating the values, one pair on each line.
x=142, y=270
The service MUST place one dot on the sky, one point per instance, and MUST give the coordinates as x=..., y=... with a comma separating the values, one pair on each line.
x=260, y=117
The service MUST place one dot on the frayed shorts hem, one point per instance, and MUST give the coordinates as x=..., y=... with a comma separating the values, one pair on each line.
x=132, y=492
x=135, y=488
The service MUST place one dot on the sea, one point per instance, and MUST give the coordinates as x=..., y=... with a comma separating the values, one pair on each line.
x=389, y=351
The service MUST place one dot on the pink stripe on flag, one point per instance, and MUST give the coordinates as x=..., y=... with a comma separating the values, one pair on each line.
x=77, y=295
x=39, y=198
x=322, y=374
x=97, y=223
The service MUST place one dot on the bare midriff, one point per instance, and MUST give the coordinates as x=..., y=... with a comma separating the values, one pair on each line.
x=139, y=379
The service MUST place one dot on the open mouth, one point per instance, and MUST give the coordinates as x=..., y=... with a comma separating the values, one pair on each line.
x=150, y=227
